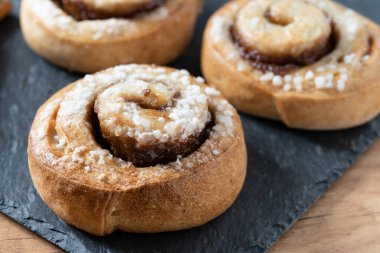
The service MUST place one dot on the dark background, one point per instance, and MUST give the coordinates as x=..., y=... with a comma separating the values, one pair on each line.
x=288, y=170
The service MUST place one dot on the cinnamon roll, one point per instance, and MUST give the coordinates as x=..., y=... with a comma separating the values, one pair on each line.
x=88, y=35
x=312, y=64
x=5, y=8
x=137, y=148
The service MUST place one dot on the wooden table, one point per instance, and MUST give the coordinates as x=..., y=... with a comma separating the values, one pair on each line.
x=346, y=219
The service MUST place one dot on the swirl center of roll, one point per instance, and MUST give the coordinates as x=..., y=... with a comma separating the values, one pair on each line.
x=148, y=121
x=282, y=31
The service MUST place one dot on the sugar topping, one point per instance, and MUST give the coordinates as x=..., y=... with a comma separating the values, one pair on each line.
x=267, y=76
x=187, y=109
x=216, y=152
x=211, y=91
x=287, y=87
x=366, y=58
x=349, y=59
x=320, y=82
x=61, y=142
x=242, y=66
x=299, y=88
x=188, y=114
x=298, y=80
x=331, y=72
x=334, y=78
x=41, y=133
x=277, y=81
x=353, y=24
x=309, y=75
x=55, y=18
x=288, y=78
x=220, y=28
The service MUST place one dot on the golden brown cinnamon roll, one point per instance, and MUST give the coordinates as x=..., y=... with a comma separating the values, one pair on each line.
x=89, y=35
x=5, y=8
x=137, y=148
x=312, y=64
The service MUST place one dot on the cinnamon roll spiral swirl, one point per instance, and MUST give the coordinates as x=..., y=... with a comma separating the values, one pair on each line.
x=312, y=64
x=137, y=148
x=89, y=35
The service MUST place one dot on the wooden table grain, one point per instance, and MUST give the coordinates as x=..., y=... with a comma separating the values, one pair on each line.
x=345, y=219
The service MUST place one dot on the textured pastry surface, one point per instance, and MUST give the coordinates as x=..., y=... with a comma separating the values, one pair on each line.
x=88, y=36
x=150, y=116
x=311, y=64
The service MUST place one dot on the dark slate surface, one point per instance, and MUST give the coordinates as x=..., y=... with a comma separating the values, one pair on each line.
x=288, y=170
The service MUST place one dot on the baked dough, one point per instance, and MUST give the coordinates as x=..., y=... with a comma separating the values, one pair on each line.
x=311, y=64
x=79, y=134
x=115, y=32
x=5, y=8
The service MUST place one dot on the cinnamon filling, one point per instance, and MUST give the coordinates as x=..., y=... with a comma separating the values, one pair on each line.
x=282, y=65
x=80, y=11
x=370, y=45
x=149, y=155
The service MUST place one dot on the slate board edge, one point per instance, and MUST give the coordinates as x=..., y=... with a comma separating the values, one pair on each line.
x=15, y=211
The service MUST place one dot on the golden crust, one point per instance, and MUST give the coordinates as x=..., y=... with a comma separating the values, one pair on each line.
x=5, y=8
x=93, y=45
x=187, y=201
x=310, y=108
x=174, y=199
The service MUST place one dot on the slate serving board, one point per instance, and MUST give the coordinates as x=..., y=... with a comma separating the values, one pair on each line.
x=288, y=170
